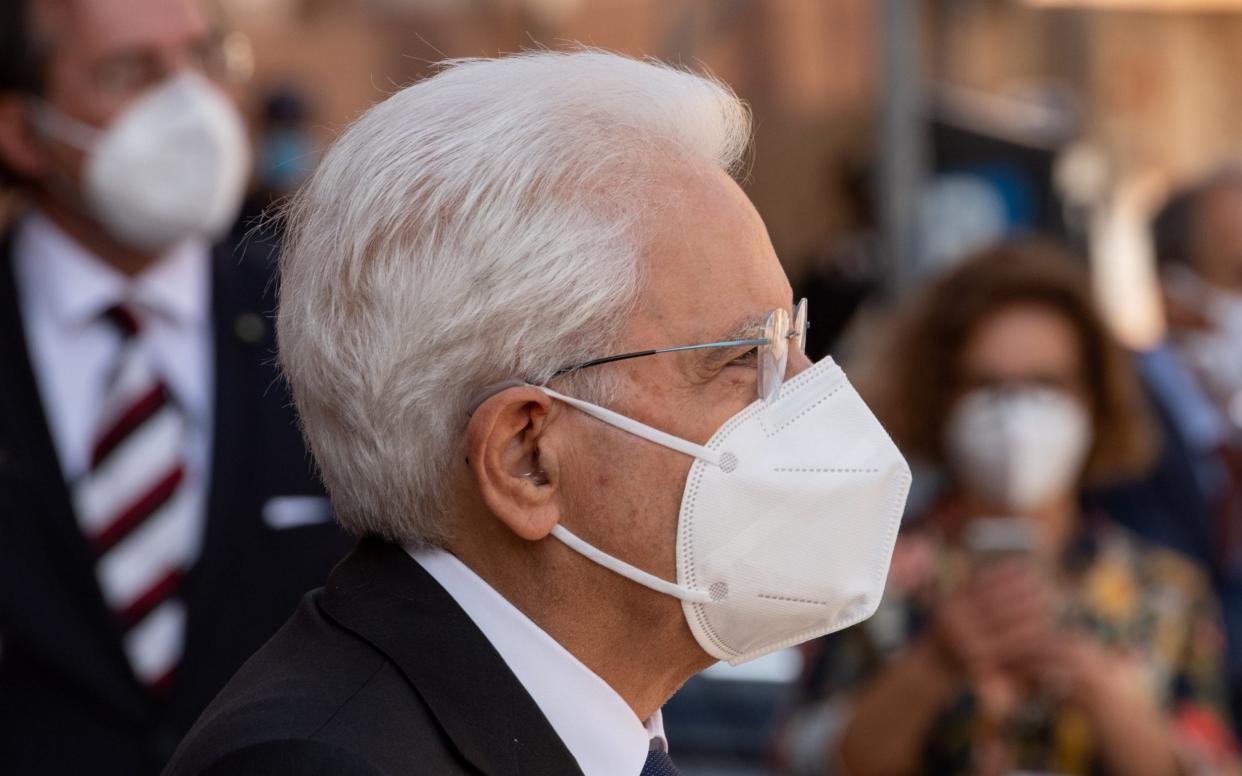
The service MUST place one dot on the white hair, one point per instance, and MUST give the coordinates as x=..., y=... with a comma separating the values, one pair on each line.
x=476, y=227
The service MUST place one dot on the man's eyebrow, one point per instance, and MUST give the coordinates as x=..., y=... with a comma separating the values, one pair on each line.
x=750, y=328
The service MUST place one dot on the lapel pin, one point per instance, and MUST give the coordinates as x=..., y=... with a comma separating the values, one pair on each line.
x=249, y=328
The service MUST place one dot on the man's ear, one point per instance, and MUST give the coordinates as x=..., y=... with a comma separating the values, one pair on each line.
x=20, y=149
x=516, y=471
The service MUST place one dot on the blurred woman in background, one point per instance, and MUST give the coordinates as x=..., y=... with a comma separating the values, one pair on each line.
x=1018, y=633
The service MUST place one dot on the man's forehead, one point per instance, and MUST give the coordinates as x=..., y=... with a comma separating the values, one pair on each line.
x=712, y=271
x=107, y=25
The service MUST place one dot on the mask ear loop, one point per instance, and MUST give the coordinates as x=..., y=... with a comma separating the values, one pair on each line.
x=58, y=125
x=626, y=570
x=642, y=430
x=655, y=436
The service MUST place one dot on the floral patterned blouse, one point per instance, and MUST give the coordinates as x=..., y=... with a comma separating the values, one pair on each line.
x=1151, y=608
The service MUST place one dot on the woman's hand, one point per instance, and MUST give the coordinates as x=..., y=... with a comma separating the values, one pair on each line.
x=990, y=624
x=1133, y=735
x=1074, y=667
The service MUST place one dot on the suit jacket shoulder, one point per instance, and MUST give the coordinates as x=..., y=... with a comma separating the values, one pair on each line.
x=316, y=689
x=383, y=665
x=294, y=757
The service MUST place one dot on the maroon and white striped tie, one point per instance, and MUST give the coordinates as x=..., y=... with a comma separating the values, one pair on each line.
x=134, y=512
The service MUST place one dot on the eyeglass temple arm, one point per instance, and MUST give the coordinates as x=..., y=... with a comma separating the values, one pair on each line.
x=641, y=353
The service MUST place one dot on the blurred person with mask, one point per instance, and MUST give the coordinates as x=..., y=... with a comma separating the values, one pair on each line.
x=287, y=153
x=158, y=515
x=1019, y=632
x=552, y=372
x=1198, y=242
x=1196, y=373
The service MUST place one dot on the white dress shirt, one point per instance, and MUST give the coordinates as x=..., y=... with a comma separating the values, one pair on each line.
x=598, y=727
x=64, y=291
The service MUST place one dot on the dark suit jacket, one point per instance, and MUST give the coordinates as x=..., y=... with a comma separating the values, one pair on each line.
x=69, y=702
x=381, y=672
x=1165, y=505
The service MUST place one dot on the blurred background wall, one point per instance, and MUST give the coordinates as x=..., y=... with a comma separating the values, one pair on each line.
x=1140, y=90
x=806, y=66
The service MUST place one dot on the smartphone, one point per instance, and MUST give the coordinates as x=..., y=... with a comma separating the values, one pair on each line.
x=994, y=538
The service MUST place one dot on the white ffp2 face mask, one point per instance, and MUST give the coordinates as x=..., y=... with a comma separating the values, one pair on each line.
x=1019, y=447
x=173, y=165
x=788, y=517
x=1215, y=354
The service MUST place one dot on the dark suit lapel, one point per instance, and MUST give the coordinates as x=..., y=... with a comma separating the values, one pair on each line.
x=49, y=593
x=386, y=598
x=238, y=377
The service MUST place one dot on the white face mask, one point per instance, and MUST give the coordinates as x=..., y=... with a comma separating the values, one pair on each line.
x=1216, y=355
x=1018, y=447
x=788, y=518
x=173, y=165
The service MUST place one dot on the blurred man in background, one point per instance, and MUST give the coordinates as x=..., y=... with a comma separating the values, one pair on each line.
x=287, y=154
x=1197, y=373
x=158, y=516
x=1198, y=241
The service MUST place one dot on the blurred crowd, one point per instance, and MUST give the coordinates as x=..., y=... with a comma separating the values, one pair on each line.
x=1066, y=593
x=1059, y=598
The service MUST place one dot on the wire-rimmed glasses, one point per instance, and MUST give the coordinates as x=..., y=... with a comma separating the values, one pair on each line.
x=771, y=350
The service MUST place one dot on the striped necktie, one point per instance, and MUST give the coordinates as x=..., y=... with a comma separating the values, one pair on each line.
x=133, y=510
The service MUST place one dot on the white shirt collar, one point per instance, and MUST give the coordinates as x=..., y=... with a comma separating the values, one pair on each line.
x=64, y=289
x=598, y=727
x=76, y=287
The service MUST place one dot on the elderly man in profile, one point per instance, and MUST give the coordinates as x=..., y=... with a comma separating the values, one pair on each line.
x=551, y=371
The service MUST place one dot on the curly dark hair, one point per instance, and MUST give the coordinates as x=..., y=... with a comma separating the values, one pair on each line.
x=1175, y=227
x=914, y=386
